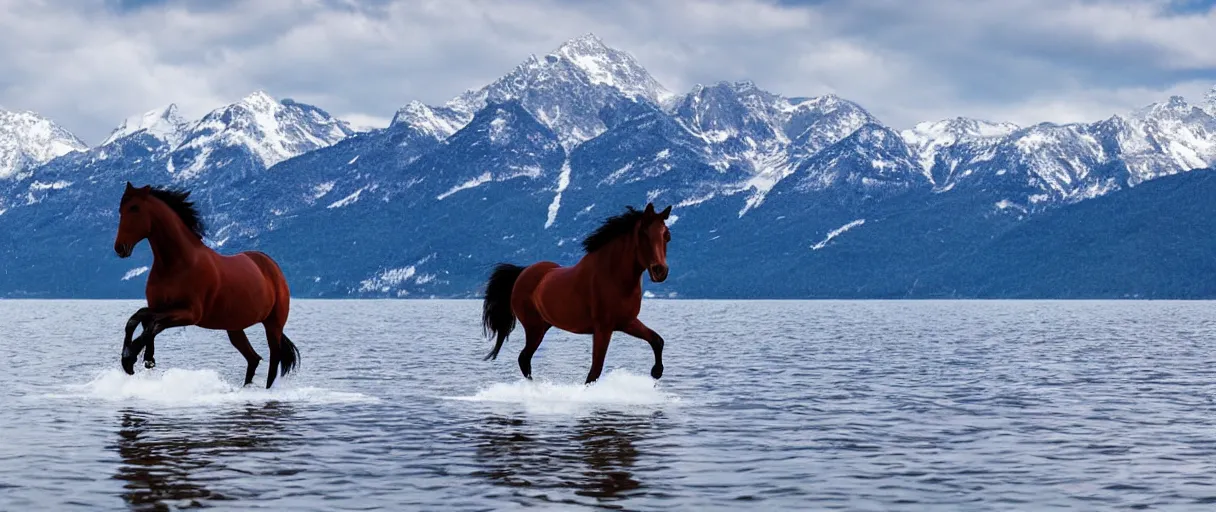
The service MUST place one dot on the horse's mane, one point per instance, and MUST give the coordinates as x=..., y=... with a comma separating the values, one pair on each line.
x=185, y=210
x=612, y=228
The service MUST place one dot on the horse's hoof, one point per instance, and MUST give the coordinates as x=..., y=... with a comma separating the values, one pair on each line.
x=149, y=363
x=656, y=372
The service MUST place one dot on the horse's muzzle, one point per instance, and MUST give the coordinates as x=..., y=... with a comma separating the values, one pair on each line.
x=123, y=250
x=658, y=273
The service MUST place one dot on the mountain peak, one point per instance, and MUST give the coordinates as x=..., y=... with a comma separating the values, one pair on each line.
x=583, y=45
x=605, y=65
x=438, y=122
x=163, y=123
x=268, y=130
x=28, y=139
x=958, y=127
x=1209, y=101
x=259, y=100
x=1175, y=106
x=566, y=89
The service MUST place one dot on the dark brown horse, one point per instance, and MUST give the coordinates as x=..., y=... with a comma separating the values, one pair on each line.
x=599, y=295
x=190, y=284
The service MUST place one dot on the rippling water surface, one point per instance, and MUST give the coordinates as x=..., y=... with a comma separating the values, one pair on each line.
x=764, y=405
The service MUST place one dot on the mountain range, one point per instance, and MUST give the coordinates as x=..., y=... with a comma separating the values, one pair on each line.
x=773, y=196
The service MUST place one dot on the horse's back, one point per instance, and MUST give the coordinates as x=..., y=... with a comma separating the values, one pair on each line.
x=530, y=278
x=275, y=277
x=270, y=269
x=556, y=294
x=251, y=291
x=522, y=303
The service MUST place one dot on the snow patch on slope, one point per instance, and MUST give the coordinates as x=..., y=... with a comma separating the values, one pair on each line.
x=563, y=181
x=134, y=273
x=348, y=200
x=835, y=233
x=485, y=177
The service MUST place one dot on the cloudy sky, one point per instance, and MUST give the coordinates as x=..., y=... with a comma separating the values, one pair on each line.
x=88, y=64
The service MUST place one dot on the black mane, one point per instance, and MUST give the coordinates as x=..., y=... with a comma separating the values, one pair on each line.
x=176, y=201
x=611, y=229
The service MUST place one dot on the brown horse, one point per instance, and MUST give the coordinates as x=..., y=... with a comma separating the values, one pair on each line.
x=190, y=284
x=602, y=293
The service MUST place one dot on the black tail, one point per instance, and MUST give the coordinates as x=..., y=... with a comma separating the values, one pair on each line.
x=289, y=355
x=496, y=316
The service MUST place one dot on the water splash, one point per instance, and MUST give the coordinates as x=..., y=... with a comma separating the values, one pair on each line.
x=619, y=388
x=181, y=387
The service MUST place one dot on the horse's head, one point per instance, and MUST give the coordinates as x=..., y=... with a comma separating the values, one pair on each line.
x=134, y=221
x=653, y=236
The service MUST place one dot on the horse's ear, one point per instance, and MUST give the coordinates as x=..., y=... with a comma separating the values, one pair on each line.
x=146, y=188
x=665, y=213
x=649, y=209
x=130, y=186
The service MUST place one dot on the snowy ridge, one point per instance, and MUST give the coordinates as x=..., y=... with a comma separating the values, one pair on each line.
x=164, y=124
x=1066, y=163
x=1209, y=103
x=271, y=131
x=28, y=140
x=928, y=139
x=438, y=122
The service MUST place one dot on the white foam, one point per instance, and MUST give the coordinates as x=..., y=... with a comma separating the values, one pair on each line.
x=616, y=388
x=181, y=387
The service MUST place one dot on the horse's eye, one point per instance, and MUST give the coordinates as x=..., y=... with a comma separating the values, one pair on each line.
x=133, y=209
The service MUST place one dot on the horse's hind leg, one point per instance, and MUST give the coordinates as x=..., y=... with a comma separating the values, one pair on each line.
x=534, y=333
x=274, y=334
x=241, y=342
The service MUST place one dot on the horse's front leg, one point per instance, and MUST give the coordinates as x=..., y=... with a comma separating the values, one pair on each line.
x=154, y=323
x=599, y=349
x=142, y=317
x=637, y=329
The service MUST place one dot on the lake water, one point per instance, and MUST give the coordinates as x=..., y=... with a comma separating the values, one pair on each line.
x=764, y=406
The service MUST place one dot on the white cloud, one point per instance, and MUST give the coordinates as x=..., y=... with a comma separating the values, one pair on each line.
x=89, y=66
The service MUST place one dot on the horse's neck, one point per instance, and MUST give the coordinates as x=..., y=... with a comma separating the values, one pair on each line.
x=171, y=241
x=618, y=262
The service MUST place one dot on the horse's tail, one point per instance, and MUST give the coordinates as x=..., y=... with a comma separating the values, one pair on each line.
x=289, y=355
x=496, y=316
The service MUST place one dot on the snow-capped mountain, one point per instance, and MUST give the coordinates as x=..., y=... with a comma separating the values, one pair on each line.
x=566, y=89
x=1041, y=166
x=258, y=128
x=28, y=140
x=765, y=134
x=210, y=156
x=941, y=146
x=772, y=196
x=163, y=124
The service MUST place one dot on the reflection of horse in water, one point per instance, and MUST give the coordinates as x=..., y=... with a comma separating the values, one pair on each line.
x=167, y=460
x=597, y=461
